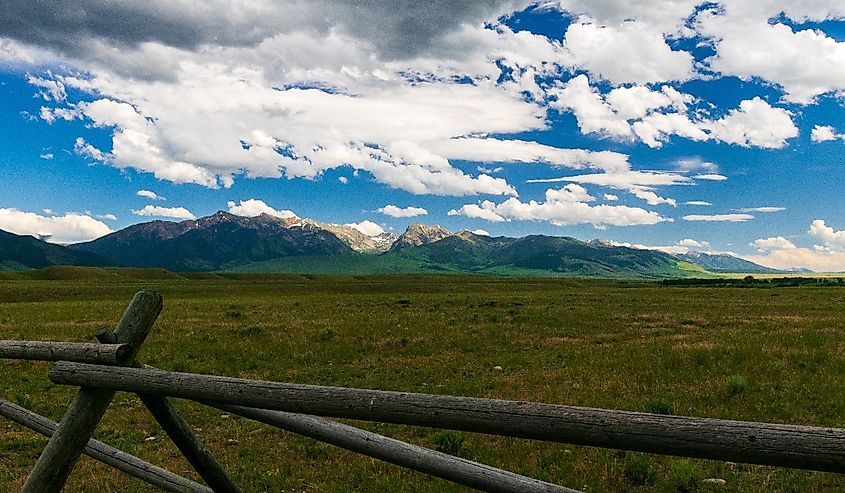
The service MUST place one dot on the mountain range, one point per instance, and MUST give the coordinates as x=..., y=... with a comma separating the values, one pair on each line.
x=265, y=243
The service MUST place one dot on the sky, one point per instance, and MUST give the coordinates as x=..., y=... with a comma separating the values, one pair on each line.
x=680, y=125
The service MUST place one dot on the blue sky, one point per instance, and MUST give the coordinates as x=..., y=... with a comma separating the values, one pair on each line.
x=572, y=118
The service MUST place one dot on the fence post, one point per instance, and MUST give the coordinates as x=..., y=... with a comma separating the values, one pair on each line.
x=87, y=408
x=182, y=436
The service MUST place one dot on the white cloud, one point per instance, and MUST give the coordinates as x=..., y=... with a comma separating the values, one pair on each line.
x=764, y=209
x=688, y=165
x=344, y=180
x=486, y=211
x=47, y=156
x=640, y=184
x=711, y=177
x=369, y=228
x=592, y=113
x=395, y=211
x=69, y=228
x=170, y=212
x=480, y=232
x=610, y=197
x=653, y=116
x=830, y=237
x=733, y=218
x=108, y=217
x=697, y=203
x=149, y=194
x=255, y=207
x=625, y=52
x=690, y=243
x=805, y=63
x=754, y=123
x=490, y=150
x=825, y=133
x=51, y=89
x=561, y=208
x=780, y=253
x=773, y=243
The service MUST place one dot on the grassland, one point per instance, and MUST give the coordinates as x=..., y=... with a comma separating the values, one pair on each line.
x=766, y=354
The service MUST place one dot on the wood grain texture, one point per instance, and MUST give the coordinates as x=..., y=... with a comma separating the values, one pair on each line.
x=106, y=454
x=82, y=352
x=802, y=447
x=462, y=471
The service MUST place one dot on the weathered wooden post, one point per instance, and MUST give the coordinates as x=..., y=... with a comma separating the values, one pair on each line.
x=181, y=434
x=111, y=456
x=86, y=410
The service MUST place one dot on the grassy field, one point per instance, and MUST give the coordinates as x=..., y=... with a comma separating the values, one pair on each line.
x=765, y=354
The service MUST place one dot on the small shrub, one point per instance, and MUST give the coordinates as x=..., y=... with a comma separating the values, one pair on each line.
x=684, y=477
x=252, y=330
x=736, y=384
x=326, y=334
x=638, y=471
x=402, y=302
x=233, y=313
x=23, y=400
x=448, y=442
x=660, y=406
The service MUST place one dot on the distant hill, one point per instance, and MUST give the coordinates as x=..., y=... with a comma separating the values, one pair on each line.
x=224, y=242
x=469, y=253
x=723, y=262
x=27, y=252
x=215, y=242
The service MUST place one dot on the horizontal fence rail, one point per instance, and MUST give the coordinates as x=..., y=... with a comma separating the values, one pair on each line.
x=455, y=469
x=803, y=447
x=111, y=456
x=81, y=352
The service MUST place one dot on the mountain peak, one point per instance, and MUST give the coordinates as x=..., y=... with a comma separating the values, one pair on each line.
x=420, y=234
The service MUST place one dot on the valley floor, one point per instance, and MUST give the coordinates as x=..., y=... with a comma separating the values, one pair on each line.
x=763, y=354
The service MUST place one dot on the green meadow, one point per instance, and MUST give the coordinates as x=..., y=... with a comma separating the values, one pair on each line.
x=761, y=353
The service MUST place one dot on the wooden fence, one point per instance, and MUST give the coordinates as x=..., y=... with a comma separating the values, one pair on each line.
x=100, y=370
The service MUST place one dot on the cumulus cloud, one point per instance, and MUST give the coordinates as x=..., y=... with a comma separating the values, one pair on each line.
x=690, y=243
x=369, y=228
x=47, y=156
x=68, y=228
x=825, y=133
x=653, y=116
x=640, y=184
x=610, y=197
x=562, y=207
x=826, y=255
x=395, y=211
x=732, y=218
x=773, y=243
x=804, y=63
x=149, y=194
x=831, y=238
x=255, y=207
x=754, y=123
x=480, y=232
x=626, y=52
x=169, y=212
